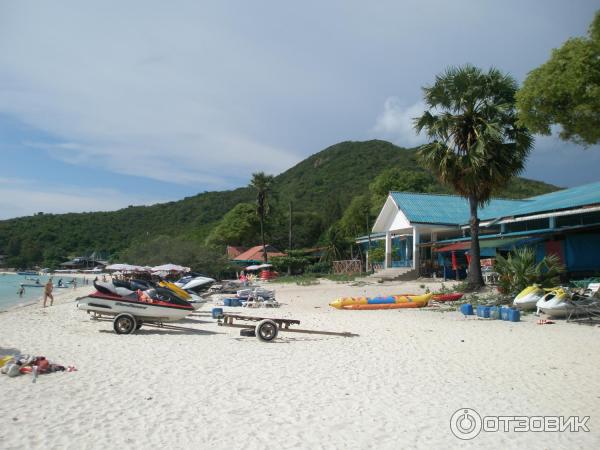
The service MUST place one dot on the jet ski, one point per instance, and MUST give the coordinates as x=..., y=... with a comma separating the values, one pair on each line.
x=560, y=302
x=152, y=305
x=528, y=297
x=195, y=283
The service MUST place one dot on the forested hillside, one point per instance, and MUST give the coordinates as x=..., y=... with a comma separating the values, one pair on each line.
x=320, y=188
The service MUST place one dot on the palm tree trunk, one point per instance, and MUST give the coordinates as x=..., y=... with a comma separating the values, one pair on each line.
x=474, y=279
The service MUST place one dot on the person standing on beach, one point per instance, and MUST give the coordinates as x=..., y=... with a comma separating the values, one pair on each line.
x=48, y=292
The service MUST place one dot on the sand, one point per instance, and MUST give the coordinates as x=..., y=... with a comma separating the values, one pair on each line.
x=394, y=386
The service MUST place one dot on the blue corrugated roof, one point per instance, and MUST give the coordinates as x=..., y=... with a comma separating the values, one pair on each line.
x=447, y=209
x=588, y=194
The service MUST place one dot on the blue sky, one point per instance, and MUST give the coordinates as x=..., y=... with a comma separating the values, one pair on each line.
x=107, y=104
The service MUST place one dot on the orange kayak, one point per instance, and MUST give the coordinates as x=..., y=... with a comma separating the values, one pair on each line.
x=387, y=306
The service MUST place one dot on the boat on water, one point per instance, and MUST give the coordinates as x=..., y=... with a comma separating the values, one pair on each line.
x=132, y=308
x=527, y=299
x=560, y=302
x=27, y=272
x=382, y=302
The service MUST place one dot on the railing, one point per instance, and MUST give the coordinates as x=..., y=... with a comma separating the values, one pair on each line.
x=347, y=266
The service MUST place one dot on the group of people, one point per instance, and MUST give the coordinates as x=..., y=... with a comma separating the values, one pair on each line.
x=49, y=288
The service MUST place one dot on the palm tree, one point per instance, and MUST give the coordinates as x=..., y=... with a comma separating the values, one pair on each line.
x=476, y=146
x=263, y=184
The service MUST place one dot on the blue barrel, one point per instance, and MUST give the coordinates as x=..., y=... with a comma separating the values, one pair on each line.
x=227, y=302
x=466, y=309
x=495, y=312
x=236, y=302
x=486, y=312
x=514, y=315
x=479, y=311
x=504, y=313
x=217, y=312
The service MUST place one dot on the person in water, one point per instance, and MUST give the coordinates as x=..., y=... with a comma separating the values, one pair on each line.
x=21, y=291
x=48, y=292
x=60, y=283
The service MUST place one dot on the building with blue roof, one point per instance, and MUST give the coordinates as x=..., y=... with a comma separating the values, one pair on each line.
x=419, y=231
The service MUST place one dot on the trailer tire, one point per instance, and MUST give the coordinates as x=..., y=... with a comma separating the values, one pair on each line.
x=124, y=323
x=247, y=332
x=266, y=330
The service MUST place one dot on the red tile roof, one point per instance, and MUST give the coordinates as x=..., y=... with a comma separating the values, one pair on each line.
x=233, y=251
x=256, y=253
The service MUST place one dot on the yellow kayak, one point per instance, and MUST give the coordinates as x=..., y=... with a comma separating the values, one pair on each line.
x=344, y=302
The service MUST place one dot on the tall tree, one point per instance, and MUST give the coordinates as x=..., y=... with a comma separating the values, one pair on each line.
x=263, y=184
x=477, y=146
x=565, y=91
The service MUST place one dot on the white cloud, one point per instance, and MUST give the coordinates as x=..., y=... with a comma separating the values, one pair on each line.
x=166, y=100
x=22, y=197
x=396, y=122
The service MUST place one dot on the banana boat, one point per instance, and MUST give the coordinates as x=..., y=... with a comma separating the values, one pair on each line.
x=387, y=302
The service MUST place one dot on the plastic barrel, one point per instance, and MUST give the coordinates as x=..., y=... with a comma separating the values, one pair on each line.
x=495, y=312
x=217, y=312
x=514, y=315
x=226, y=302
x=466, y=309
x=486, y=312
x=504, y=313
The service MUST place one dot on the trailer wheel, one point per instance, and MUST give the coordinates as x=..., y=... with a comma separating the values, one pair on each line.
x=266, y=330
x=124, y=324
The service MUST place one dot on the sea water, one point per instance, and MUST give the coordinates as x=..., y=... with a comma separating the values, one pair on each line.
x=10, y=284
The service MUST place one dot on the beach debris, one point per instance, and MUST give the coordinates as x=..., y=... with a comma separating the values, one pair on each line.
x=35, y=365
x=545, y=322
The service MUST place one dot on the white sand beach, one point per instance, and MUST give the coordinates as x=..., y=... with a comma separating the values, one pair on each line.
x=396, y=385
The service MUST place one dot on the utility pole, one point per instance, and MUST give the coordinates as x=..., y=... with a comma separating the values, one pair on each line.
x=369, y=247
x=290, y=239
x=290, y=230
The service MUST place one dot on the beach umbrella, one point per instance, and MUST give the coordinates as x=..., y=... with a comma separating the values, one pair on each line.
x=118, y=267
x=170, y=268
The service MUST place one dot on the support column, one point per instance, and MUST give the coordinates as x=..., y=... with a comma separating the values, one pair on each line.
x=415, y=252
x=388, y=250
x=552, y=222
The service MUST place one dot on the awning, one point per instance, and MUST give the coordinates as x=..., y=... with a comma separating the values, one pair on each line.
x=507, y=243
x=453, y=247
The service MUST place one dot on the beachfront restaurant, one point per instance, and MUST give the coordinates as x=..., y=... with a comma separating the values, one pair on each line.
x=430, y=233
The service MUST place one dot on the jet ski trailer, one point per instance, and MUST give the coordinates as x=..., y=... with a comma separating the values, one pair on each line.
x=129, y=311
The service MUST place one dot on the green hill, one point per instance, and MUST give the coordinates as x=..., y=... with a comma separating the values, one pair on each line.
x=320, y=188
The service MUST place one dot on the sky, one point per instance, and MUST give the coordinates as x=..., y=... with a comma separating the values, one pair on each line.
x=105, y=104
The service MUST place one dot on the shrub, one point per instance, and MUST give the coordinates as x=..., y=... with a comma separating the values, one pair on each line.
x=519, y=270
x=319, y=267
